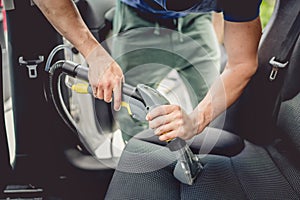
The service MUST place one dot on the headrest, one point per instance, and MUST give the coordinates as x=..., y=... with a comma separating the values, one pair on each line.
x=93, y=11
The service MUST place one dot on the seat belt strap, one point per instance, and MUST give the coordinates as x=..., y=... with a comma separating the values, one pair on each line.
x=282, y=59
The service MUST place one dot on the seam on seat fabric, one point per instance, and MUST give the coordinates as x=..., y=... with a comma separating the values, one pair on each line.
x=235, y=174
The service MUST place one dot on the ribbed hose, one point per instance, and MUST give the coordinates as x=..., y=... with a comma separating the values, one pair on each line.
x=56, y=71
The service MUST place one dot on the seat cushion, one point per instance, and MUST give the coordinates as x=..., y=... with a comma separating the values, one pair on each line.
x=289, y=122
x=145, y=171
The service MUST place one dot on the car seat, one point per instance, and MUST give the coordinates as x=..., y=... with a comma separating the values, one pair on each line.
x=267, y=168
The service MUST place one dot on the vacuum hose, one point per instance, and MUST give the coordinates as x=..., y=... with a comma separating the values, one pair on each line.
x=72, y=69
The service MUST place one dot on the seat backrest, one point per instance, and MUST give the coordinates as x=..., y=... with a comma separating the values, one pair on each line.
x=252, y=115
x=95, y=14
x=289, y=114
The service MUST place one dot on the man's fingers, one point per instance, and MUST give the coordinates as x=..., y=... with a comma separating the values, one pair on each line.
x=117, y=96
x=94, y=89
x=107, y=94
x=157, y=122
x=166, y=128
x=99, y=93
x=160, y=110
x=109, y=90
x=156, y=112
x=167, y=136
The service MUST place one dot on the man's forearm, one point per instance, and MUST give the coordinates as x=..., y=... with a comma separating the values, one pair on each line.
x=64, y=16
x=241, y=40
x=223, y=93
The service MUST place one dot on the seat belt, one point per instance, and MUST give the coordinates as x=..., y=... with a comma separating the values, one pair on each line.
x=281, y=61
x=261, y=100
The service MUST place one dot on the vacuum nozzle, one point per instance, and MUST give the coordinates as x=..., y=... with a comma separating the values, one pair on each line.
x=188, y=165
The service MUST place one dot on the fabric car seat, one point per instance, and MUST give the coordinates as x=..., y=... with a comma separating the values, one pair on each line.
x=97, y=15
x=260, y=171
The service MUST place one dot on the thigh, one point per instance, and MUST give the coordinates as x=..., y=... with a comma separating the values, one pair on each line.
x=199, y=47
x=143, y=55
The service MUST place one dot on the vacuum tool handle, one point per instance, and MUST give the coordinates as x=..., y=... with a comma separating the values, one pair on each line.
x=75, y=70
x=79, y=71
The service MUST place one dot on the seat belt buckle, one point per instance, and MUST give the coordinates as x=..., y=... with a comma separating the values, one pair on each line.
x=31, y=65
x=275, y=67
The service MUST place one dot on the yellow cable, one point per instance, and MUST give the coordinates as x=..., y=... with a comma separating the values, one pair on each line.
x=126, y=105
x=81, y=88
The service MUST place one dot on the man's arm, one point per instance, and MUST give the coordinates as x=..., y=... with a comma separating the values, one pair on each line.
x=64, y=16
x=241, y=42
x=105, y=75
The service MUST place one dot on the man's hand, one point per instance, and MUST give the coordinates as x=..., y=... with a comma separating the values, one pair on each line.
x=170, y=121
x=105, y=76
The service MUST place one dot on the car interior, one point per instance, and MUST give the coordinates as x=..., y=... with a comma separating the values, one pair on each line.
x=67, y=145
